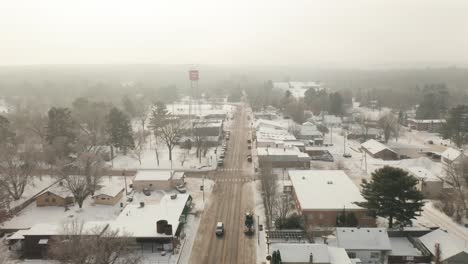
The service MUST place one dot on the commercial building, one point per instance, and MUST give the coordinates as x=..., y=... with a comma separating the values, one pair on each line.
x=430, y=125
x=306, y=253
x=321, y=196
x=157, y=180
x=283, y=158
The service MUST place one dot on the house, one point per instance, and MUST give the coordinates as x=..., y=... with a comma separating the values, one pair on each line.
x=283, y=158
x=37, y=240
x=404, y=247
x=108, y=195
x=155, y=224
x=451, y=157
x=430, y=125
x=157, y=179
x=57, y=195
x=309, y=131
x=429, y=184
x=306, y=253
x=370, y=245
x=453, y=250
x=378, y=150
x=321, y=196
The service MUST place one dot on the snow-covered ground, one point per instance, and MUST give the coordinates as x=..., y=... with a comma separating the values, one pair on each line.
x=33, y=214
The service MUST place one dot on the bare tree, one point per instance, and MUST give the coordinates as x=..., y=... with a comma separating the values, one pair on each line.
x=183, y=156
x=455, y=177
x=78, y=186
x=140, y=143
x=78, y=245
x=294, y=129
x=170, y=133
x=159, y=119
x=282, y=207
x=365, y=124
x=269, y=191
x=16, y=170
x=389, y=125
x=200, y=141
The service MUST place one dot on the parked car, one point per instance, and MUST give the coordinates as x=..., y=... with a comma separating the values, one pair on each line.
x=219, y=229
x=146, y=192
x=249, y=147
x=249, y=158
x=221, y=155
x=347, y=155
x=181, y=188
x=130, y=199
x=220, y=162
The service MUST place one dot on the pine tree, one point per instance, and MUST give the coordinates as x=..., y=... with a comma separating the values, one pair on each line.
x=392, y=194
x=456, y=127
x=61, y=130
x=120, y=130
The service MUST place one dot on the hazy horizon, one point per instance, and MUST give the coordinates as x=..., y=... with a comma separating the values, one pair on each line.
x=324, y=34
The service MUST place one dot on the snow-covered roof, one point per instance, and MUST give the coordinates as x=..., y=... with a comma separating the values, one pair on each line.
x=153, y=175
x=423, y=173
x=140, y=222
x=300, y=253
x=427, y=121
x=309, y=130
x=281, y=152
x=109, y=190
x=46, y=229
x=352, y=238
x=59, y=190
x=449, y=245
x=401, y=246
x=451, y=154
x=260, y=123
x=325, y=190
x=332, y=119
x=374, y=147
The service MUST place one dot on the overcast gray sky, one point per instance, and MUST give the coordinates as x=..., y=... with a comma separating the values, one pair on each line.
x=327, y=33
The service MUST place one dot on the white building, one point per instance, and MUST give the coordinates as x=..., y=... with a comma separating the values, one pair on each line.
x=451, y=156
x=305, y=253
x=452, y=249
x=283, y=158
x=322, y=195
x=156, y=179
x=370, y=245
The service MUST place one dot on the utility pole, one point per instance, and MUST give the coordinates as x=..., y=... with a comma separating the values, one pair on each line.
x=344, y=143
x=331, y=134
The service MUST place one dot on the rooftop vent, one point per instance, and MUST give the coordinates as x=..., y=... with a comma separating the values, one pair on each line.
x=142, y=204
x=329, y=182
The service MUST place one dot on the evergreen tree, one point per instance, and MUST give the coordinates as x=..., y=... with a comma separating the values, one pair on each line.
x=456, y=127
x=392, y=194
x=6, y=134
x=61, y=130
x=336, y=104
x=120, y=130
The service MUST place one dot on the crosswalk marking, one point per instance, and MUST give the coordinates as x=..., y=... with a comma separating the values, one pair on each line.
x=230, y=169
x=233, y=180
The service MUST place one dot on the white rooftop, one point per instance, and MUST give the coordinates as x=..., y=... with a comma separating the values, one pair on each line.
x=300, y=253
x=449, y=245
x=325, y=189
x=153, y=175
x=373, y=146
x=423, y=173
x=281, y=152
x=140, y=222
x=451, y=154
x=352, y=238
x=60, y=190
x=47, y=229
x=401, y=246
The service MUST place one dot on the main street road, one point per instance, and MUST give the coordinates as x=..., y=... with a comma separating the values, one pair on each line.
x=232, y=196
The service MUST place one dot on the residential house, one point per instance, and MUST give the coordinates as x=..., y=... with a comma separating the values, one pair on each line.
x=321, y=196
x=57, y=195
x=108, y=195
x=429, y=184
x=151, y=179
x=370, y=245
x=306, y=253
x=453, y=250
x=378, y=150
x=451, y=157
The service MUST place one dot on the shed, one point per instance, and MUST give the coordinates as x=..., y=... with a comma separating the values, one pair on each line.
x=378, y=150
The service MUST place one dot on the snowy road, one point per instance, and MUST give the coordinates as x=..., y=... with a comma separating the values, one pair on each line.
x=232, y=196
x=434, y=217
